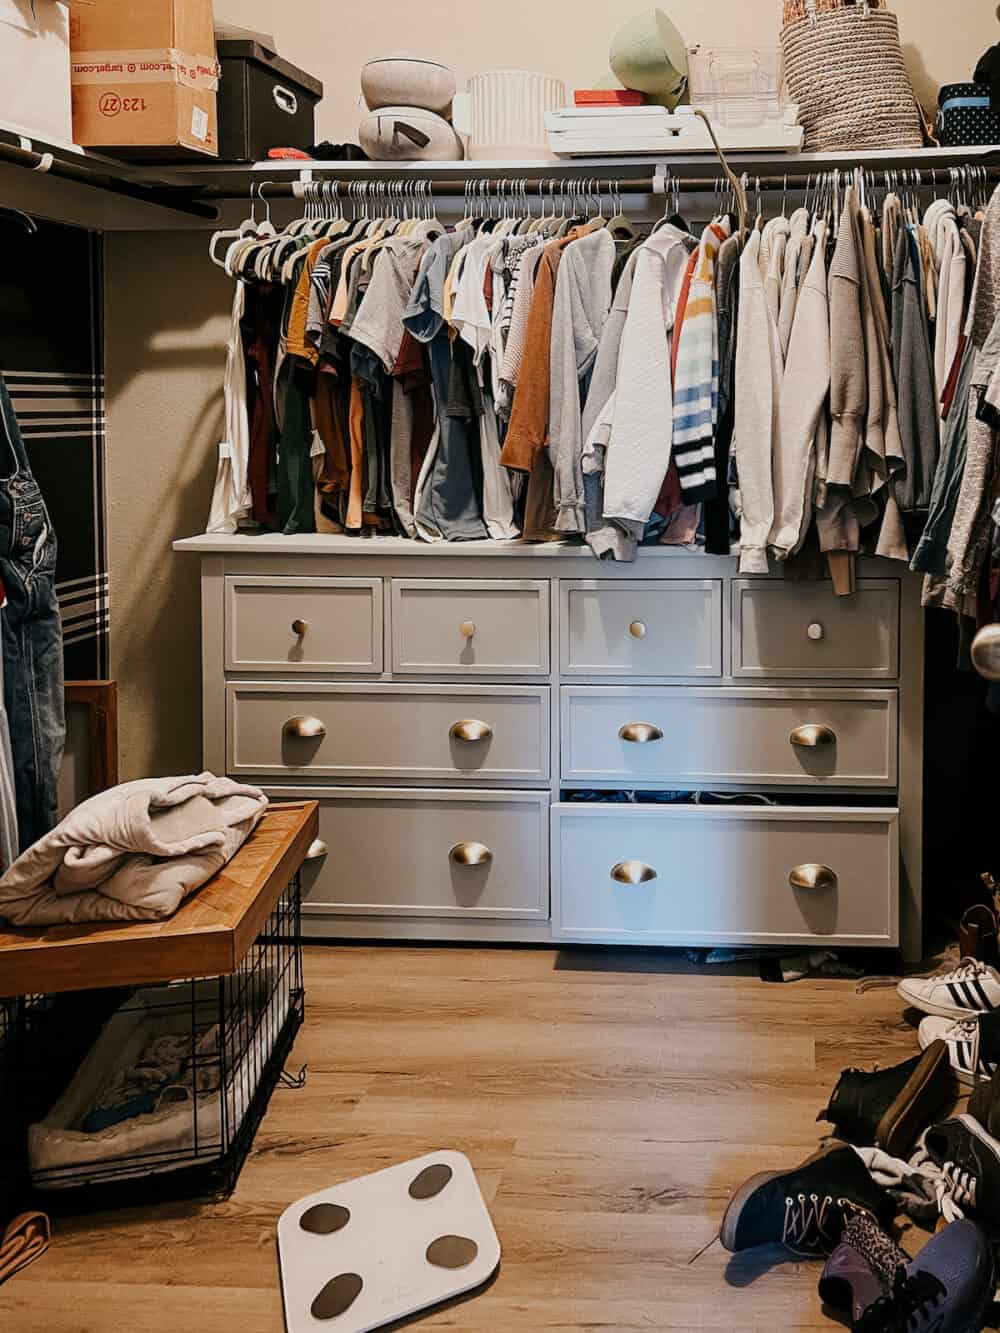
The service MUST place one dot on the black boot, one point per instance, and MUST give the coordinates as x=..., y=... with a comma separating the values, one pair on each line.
x=804, y=1209
x=890, y=1107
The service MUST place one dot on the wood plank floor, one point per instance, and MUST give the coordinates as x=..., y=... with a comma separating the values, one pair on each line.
x=609, y=1101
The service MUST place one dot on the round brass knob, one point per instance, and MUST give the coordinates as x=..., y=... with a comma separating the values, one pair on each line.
x=304, y=728
x=812, y=876
x=632, y=872
x=470, y=854
x=299, y=627
x=986, y=652
x=637, y=629
x=317, y=850
x=815, y=631
x=468, y=628
x=811, y=737
x=470, y=729
x=640, y=733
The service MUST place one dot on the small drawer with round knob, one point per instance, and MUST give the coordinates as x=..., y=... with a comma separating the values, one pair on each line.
x=389, y=733
x=465, y=627
x=693, y=875
x=653, y=627
x=783, y=629
x=294, y=626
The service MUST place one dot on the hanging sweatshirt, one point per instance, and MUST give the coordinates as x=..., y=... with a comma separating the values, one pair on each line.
x=914, y=367
x=641, y=435
x=758, y=393
x=848, y=371
x=580, y=309
x=696, y=374
x=802, y=399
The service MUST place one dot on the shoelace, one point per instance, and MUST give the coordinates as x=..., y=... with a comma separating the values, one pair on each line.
x=806, y=1218
x=912, y=1296
x=967, y=969
x=955, y=1190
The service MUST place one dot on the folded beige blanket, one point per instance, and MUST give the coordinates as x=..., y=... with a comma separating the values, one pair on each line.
x=22, y=1242
x=133, y=853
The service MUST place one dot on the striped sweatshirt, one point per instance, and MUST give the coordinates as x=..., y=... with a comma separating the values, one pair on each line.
x=696, y=373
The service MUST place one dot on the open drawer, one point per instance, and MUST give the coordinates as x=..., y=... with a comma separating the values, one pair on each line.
x=684, y=875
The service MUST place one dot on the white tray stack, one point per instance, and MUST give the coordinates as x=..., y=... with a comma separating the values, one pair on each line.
x=613, y=131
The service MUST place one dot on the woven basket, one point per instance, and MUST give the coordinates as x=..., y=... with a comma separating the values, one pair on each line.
x=844, y=67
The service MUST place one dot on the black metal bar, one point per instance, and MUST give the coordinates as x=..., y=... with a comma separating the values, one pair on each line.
x=173, y=197
x=450, y=186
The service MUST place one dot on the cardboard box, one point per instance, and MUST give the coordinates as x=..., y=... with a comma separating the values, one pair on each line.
x=145, y=77
x=34, y=70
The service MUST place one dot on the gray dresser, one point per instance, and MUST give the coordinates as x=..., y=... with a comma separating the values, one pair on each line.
x=442, y=702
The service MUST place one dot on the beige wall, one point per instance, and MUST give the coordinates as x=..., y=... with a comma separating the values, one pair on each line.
x=167, y=306
x=333, y=38
x=166, y=309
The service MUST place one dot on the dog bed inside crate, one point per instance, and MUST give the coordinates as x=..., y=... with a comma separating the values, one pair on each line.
x=193, y=1120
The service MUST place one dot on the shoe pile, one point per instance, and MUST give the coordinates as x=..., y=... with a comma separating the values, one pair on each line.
x=833, y=1205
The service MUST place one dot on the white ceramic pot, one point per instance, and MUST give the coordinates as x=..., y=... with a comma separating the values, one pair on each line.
x=402, y=80
x=408, y=134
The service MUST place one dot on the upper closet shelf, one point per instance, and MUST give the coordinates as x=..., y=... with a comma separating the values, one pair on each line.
x=86, y=189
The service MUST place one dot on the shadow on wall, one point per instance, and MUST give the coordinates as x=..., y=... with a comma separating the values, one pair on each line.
x=167, y=314
x=925, y=85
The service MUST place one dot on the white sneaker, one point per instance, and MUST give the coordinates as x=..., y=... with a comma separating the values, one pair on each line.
x=972, y=988
x=962, y=1039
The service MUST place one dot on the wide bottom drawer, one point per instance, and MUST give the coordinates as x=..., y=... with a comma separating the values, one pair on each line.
x=698, y=875
x=427, y=853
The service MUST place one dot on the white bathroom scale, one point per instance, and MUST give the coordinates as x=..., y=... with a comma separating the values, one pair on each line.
x=373, y=1250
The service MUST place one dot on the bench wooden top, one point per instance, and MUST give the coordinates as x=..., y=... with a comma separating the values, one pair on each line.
x=209, y=934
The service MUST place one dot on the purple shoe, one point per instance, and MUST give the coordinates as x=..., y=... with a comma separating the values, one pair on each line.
x=862, y=1269
x=948, y=1288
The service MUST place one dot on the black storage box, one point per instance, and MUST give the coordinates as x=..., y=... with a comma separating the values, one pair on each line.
x=264, y=102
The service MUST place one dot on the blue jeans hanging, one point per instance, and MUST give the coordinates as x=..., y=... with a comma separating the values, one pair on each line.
x=32, y=636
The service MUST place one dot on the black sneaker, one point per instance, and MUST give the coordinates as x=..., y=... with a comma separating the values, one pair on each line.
x=890, y=1107
x=804, y=1209
x=969, y=1156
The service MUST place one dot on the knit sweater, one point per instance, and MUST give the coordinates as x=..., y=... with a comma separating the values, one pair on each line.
x=696, y=375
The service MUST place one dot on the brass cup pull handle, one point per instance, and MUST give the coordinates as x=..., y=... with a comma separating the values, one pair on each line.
x=470, y=854
x=468, y=628
x=632, y=872
x=637, y=629
x=985, y=652
x=470, y=729
x=640, y=733
x=317, y=850
x=299, y=628
x=812, y=876
x=305, y=728
x=813, y=736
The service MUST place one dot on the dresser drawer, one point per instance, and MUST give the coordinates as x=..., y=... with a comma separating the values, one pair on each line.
x=303, y=624
x=648, y=628
x=465, y=627
x=803, y=629
x=423, y=853
x=689, y=737
x=384, y=732
x=698, y=875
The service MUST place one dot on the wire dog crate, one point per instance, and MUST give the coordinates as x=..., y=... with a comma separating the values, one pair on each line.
x=174, y=1082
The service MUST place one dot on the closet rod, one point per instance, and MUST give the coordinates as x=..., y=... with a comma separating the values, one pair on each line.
x=162, y=197
x=544, y=185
